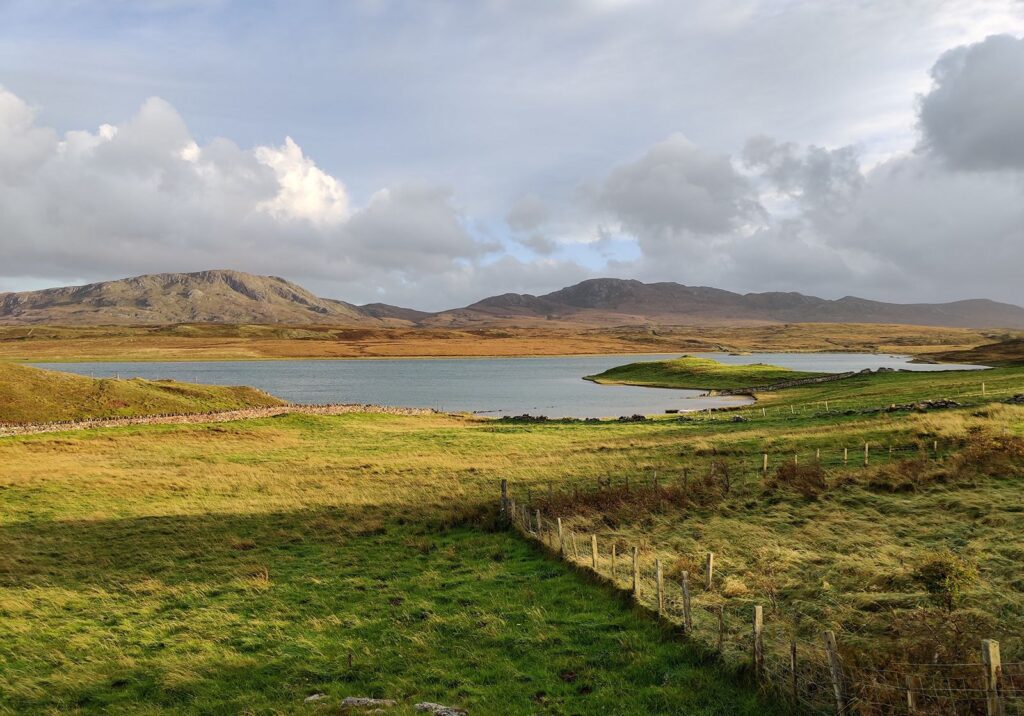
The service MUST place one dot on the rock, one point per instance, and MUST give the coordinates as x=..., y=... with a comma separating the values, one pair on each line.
x=1016, y=400
x=315, y=697
x=440, y=710
x=367, y=702
x=940, y=404
x=739, y=419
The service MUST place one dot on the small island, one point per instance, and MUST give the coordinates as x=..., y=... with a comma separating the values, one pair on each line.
x=700, y=374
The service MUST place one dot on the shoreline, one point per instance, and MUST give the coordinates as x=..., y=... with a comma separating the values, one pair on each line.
x=225, y=416
x=518, y=356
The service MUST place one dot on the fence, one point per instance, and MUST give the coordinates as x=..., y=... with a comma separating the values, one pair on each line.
x=739, y=467
x=838, y=405
x=817, y=669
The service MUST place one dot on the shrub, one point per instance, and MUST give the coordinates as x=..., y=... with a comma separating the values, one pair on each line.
x=947, y=577
x=808, y=480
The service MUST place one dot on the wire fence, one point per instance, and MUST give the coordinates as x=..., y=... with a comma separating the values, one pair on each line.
x=818, y=668
x=731, y=469
x=975, y=396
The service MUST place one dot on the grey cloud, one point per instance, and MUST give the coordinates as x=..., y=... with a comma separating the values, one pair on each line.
x=677, y=192
x=539, y=243
x=528, y=213
x=974, y=115
x=410, y=227
x=949, y=233
x=823, y=182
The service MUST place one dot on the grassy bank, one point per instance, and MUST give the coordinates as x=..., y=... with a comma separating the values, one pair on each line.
x=698, y=374
x=29, y=395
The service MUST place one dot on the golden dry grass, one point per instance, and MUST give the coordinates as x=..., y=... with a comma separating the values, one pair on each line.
x=230, y=342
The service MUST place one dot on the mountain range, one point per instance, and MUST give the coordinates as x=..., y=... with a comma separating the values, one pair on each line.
x=224, y=296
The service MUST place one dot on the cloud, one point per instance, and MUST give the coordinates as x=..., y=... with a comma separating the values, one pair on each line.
x=822, y=182
x=676, y=193
x=539, y=244
x=411, y=228
x=528, y=213
x=938, y=220
x=145, y=196
x=973, y=117
x=306, y=191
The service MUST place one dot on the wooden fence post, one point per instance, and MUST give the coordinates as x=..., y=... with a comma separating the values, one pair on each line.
x=636, y=573
x=865, y=454
x=593, y=552
x=758, y=641
x=792, y=670
x=614, y=572
x=561, y=538
x=709, y=572
x=911, y=696
x=687, y=618
x=846, y=455
x=994, y=705
x=835, y=669
x=661, y=587
x=764, y=463
x=504, y=499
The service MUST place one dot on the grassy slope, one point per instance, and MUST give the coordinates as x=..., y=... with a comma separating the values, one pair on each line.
x=698, y=374
x=33, y=395
x=248, y=342
x=235, y=567
x=1008, y=352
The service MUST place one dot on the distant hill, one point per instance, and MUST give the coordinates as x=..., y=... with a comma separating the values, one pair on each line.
x=203, y=297
x=608, y=301
x=236, y=297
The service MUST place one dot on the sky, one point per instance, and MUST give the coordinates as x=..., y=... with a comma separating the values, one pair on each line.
x=429, y=153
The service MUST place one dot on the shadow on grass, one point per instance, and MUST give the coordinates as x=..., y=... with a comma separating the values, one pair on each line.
x=230, y=613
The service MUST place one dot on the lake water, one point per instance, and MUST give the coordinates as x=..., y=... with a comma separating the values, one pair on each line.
x=489, y=386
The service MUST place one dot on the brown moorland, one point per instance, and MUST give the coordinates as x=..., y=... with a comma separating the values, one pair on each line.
x=262, y=342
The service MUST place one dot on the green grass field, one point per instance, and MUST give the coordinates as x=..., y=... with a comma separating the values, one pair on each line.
x=237, y=567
